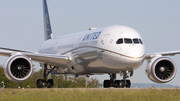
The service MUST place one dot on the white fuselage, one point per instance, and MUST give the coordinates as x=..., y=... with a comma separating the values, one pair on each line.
x=104, y=50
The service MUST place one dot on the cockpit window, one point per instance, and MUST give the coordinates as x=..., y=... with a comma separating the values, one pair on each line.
x=119, y=41
x=140, y=41
x=136, y=41
x=128, y=41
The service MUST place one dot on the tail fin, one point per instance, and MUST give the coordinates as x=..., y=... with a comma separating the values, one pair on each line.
x=47, y=24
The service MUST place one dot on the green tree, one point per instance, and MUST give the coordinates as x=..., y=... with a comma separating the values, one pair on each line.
x=93, y=83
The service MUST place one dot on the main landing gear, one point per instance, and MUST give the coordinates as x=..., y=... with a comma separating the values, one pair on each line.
x=118, y=83
x=44, y=82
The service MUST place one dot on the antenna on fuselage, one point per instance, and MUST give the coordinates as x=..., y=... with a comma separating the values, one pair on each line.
x=47, y=24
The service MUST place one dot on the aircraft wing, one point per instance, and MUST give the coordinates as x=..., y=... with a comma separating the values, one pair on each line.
x=170, y=53
x=51, y=59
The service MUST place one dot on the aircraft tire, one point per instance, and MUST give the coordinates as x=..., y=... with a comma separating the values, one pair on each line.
x=121, y=84
x=50, y=83
x=128, y=84
x=39, y=83
x=116, y=83
x=106, y=83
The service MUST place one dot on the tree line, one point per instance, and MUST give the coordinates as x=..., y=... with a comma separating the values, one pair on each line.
x=62, y=81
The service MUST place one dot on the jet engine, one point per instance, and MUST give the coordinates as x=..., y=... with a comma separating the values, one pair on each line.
x=161, y=69
x=18, y=68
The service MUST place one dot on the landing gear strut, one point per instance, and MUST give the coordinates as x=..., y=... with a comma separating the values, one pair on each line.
x=44, y=82
x=127, y=83
x=118, y=83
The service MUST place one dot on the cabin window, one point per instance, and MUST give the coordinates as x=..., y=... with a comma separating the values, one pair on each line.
x=119, y=41
x=136, y=41
x=127, y=40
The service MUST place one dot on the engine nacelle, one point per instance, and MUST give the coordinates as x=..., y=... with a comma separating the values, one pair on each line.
x=161, y=69
x=18, y=68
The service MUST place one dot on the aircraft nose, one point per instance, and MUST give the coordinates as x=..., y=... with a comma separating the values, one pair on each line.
x=134, y=57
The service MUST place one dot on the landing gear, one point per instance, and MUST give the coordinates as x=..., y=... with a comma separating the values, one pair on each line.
x=125, y=83
x=121, y=84
x=118, y=83
x=107, y=83
x=44, y=82
x=128, y=84
x=39, y=83
x=50, y=83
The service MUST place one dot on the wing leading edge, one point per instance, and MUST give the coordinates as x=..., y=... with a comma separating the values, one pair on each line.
x=170, y=53
x=51, y=59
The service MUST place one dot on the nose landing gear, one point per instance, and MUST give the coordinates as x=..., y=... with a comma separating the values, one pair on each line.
x=118, y=83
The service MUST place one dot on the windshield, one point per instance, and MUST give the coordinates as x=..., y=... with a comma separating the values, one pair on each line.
x=129, y=41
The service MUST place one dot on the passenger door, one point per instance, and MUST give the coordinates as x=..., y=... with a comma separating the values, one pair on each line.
x=104, y=41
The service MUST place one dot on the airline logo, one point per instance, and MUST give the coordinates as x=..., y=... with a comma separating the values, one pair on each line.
x=48, y=28
x=91, y=36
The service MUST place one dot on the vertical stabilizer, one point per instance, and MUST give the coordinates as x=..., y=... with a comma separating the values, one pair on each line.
x=47, y=24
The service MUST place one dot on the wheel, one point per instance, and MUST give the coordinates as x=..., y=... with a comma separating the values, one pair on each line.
x=116, y=83
x=39, y=83
x=128, y=84
x=106, y=83
x=50, y=83
x=121, y=84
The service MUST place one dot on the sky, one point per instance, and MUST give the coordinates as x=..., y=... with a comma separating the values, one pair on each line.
x=158, y=22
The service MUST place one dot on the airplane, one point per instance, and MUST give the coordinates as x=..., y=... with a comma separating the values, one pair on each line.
x=112, y=50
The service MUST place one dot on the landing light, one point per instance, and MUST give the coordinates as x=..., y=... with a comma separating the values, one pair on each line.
x=127, y=72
